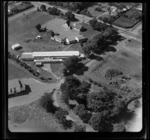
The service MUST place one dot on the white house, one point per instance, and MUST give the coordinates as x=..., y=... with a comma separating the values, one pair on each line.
x=52, y=55
x=71, y=40
x=81, y=38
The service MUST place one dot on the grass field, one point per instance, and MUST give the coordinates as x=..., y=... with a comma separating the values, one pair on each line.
x=15, y=71
x=126, y=59
x=24, y=28
x=45, y=122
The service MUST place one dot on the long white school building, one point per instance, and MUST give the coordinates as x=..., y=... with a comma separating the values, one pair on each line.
x=53, y=55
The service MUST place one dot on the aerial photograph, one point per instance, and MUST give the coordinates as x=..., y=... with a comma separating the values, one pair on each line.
x=74, y=66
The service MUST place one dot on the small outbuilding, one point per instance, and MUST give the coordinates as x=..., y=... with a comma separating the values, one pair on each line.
x=81, y=38
x=16, y=46
x=71, y=40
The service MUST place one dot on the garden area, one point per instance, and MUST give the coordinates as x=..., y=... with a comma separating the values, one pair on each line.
x=129, y=19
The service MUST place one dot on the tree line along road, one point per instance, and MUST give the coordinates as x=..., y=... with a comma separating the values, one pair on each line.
x=86, y=19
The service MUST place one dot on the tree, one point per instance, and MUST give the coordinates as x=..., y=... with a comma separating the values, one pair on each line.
x=69, y=87
x=79, y=128
x=101, y=101
x=46, y=102
x=71, y=64
x=38, y=26
x=61, y=117
x=83, y=90
x=43, y=7
x=93, y=22
x=53, y=11
x=96, y=121
x=119, y=128
x=70, y=16
x=87, y=49
x=82, y=113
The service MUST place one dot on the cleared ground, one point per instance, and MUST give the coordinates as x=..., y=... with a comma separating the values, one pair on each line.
x=127, y=58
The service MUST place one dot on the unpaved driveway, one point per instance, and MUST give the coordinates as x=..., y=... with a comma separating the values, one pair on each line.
x=37, y=90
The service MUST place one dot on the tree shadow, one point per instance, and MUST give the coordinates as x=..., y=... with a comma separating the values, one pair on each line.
x=110, y=49
x=124, y=116
x=98, y=58
x=81, y=69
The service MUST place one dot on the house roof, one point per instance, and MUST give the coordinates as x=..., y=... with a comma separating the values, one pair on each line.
x=14, y=84
x=81, y=37
x=27, y=55
x=78, y=26
x=71, y=38
x=59, y=37
x=52, y=53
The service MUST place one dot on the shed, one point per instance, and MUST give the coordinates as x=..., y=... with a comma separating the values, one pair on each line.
x=71, y=40
x=16, y=46
x=78, y=26
x=81, y=38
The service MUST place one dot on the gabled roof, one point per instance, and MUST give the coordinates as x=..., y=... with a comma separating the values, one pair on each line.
x=78, y=26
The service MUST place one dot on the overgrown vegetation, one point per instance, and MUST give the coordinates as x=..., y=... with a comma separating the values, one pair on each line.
x=111, y=73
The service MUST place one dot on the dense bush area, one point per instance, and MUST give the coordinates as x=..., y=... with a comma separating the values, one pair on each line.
x=111, y=73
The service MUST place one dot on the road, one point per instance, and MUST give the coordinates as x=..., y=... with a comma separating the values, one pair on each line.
x=37, y=90
x=86, y=20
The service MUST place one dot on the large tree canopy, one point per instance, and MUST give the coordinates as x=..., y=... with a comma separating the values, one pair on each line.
x=71, y=64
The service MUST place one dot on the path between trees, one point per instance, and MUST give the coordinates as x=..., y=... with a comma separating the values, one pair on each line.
x=58, y=101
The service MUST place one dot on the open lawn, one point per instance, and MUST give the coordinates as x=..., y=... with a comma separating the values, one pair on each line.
x=23, y=29
x=16, y=72
x=57, y=26
x=32, y=118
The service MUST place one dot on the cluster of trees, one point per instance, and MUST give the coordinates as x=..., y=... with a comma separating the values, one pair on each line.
x=84, y=114
x=46, y=102
x=108, y=19
x=77, y=7
x=79, y=128
x=97, y=25
x=71, y=64
x=60, y=115
x=53, y=11
x=95, y=108
x=101, y=41
x=70, y=16
x=111, y=73
x=72, y=88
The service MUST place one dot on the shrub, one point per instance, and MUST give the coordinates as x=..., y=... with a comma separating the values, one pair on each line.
x=111, y=73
